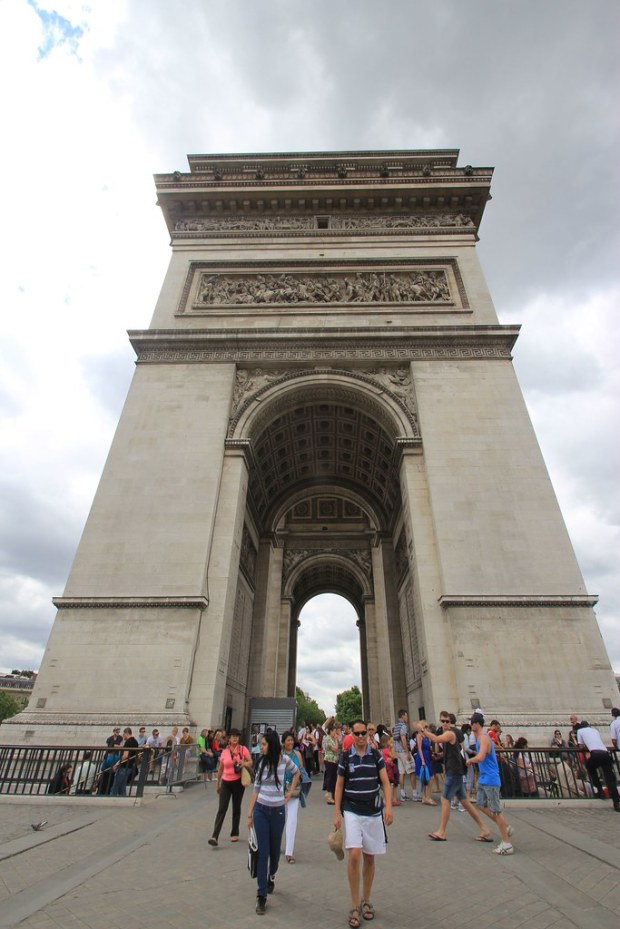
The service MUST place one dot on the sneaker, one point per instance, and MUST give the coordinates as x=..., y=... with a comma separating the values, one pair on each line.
x=403, y=797
x=454, y=805
x=417, y=796
x=504, y=848
x=261, y=906
x=460, y=808
x=271, y=884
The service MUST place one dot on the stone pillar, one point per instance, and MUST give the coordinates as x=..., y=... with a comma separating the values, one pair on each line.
x=283, y=652
x=438, y=675
x=208, y=688
x=292, y=655
x=382, y=707
x=361, y=625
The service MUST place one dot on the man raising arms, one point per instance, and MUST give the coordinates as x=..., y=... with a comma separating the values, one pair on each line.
x=361, y=777
x=454, y=784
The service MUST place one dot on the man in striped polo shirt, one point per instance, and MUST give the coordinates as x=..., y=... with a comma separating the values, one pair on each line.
x=361, y=778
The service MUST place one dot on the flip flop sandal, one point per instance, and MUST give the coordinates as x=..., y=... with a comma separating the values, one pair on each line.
x=436, y=838
x=354, y=917
x=368, y=910
x=484, y=838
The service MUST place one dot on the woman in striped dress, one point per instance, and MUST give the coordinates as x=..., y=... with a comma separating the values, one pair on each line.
x=266, y=812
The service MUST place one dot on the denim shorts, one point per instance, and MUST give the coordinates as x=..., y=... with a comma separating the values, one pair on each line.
x=454, y=786
x=488, y=796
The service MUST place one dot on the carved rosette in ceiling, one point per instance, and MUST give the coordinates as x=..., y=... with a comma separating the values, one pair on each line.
x=419, y=286
x=252, y=383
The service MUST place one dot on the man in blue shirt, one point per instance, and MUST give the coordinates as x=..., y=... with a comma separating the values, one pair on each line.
x=361, y=778
x=489, y=783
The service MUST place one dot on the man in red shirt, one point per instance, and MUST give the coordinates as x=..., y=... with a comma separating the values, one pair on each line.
x=494, y=732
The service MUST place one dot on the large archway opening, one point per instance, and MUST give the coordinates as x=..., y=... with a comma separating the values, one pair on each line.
x=328, y=652
x=324, y=508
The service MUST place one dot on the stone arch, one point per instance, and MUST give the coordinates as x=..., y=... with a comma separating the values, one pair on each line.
x=327, y=573
x=272, y=392
x=323, y=450
x=305, y=429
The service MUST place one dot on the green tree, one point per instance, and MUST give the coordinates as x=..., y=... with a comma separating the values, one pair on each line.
x=308, y=709
x=8, y=706
x=349, y=704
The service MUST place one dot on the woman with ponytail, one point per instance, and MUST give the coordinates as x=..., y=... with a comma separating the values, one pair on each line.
x=266, y=812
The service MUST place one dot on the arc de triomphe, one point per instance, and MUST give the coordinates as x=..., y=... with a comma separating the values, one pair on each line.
x=324, y=402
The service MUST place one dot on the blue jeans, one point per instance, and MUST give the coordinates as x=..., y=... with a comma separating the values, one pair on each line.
x=269, y=826
x=119, y=787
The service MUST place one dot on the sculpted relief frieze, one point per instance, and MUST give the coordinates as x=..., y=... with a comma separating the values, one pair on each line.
x=297, y=288
x=294, y=557
x=250, y=382
x=396, y=223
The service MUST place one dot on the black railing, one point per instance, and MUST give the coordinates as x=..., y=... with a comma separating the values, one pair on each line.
x=34, y=770
x=548, y=773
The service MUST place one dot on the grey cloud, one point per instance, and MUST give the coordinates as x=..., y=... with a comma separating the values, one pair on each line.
x=108, y=377
x=39, y=536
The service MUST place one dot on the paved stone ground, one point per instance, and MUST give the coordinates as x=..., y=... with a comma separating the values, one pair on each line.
x=149, y=867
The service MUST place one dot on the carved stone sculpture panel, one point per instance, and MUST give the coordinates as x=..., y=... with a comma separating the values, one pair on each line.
x=423, y=286
x=397, y=223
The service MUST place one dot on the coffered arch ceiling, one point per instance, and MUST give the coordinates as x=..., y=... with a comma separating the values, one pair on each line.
x=324, y=441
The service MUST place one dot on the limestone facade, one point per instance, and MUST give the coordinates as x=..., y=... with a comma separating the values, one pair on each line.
x=324, y=402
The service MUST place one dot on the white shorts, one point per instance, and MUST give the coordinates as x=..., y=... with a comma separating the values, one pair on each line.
x=365, y=832
x=405, y=763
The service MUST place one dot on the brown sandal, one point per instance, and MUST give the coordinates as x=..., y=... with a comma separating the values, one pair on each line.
x=354, y=918
x=368, y=910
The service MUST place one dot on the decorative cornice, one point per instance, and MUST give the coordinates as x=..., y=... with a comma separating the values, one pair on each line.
x=532, y=600
x=307, y=345
x=334, y=183
x=131, y=603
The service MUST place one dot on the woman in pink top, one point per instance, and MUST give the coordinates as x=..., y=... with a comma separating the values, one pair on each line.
x=233, y=758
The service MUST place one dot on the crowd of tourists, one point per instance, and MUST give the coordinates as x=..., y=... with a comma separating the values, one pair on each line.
x=366, y=770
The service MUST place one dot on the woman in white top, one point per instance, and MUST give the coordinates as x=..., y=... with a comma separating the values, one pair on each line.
x=292, y=807
x=266, y=812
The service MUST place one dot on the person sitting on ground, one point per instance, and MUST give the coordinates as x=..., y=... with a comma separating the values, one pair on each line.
x=61, y=783
x=84, y=776
x=527, y=778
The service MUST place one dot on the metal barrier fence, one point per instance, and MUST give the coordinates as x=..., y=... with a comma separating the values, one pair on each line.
x=35, y=770
x=548, y=773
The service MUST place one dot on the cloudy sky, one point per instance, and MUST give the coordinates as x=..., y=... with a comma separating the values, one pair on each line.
x=99, y=96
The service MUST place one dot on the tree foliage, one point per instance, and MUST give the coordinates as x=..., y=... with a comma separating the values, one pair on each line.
x=23, y=673
x=8, y=706
x=308, y=709
x=349, y=704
